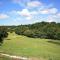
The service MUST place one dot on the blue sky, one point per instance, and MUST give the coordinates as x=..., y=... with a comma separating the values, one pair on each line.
x=16, y=12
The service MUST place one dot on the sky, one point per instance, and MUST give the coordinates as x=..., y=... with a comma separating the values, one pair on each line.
x=17, y=12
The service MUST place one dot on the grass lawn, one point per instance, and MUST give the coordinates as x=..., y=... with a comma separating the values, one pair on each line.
x=31, y=47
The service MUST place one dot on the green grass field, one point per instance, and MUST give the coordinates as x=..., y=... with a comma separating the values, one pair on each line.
x=31, y=47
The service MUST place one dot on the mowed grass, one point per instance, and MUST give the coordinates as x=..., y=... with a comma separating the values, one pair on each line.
x=31, y=47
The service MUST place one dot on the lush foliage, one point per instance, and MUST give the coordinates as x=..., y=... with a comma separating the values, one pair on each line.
x=3, y=34
x=40, y=30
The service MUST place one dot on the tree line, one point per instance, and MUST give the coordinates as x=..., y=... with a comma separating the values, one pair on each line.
x=47, y=30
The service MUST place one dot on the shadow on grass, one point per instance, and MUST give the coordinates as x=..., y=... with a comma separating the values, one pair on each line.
x=54, y=42
x=8, y=39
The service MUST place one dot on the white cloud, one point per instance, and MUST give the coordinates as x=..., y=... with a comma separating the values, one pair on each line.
x=27, y=14
x=53, y=18
x=49, y=11
x=34, y=4
x=44, y=11
x=24, y=12
x=3, y=16
x=53, y=10
x=28, y=18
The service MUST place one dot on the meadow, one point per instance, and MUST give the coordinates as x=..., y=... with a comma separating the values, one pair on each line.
x=19, y=45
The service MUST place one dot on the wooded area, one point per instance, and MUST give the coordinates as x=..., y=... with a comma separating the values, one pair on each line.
x=38, y=30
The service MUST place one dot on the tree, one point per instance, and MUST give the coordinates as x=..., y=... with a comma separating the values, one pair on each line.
x=3, y=34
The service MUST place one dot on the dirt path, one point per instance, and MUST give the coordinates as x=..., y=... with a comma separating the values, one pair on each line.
x=14, y=57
